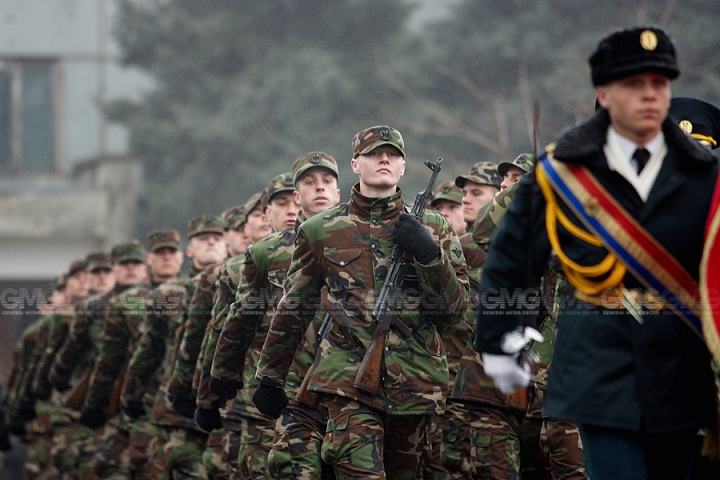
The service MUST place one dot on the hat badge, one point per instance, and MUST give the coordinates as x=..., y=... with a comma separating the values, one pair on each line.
x=648, y=40
x=315, y=159
x=686, y=126
x=287, y=180
x=385, y=134
x=446, y=188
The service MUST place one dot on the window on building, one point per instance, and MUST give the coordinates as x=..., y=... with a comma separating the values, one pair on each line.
x=27, y=115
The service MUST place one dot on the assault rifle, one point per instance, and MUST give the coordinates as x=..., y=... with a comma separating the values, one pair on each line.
x=368, y=377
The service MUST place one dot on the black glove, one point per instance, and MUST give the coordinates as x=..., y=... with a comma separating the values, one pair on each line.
x=208, y=419
x=184, y=406
x=225, y=388
x=93, y=417
x=5, y=444
x=134, y=409
x=43, y=391
x=26, y=411
x=412, y=236
x=270, y=398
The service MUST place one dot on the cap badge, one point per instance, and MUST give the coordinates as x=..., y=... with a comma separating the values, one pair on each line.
x=287, y=180
x=648, y=40
x=385, y=134
x=315, y=159
x=446, y=188
x=686, y=126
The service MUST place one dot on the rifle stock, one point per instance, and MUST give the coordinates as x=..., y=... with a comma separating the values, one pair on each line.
x=368, y=376
x=311, y=399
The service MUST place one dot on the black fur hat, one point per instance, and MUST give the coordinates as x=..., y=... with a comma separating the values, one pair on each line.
x=632, y=51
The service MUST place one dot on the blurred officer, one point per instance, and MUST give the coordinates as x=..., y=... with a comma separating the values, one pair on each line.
x=612, y=191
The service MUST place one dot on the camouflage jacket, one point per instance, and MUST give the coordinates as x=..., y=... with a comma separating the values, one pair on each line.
x=471, y=381
x=120, y=335
x=198, y=317
x=17, y=389
x=154, y=356
x=227, y=284
x=346, y=249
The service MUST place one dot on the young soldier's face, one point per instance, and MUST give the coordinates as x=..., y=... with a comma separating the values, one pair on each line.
x=131, y=272
x=102, y=280
x=380, y=169
x=282, y=211
x=475, y=196
x=164, y=263
x=257, y=226
x=78, y=285
x=638, y=105
x=316, y=191
x=207, y=249
x=237, y=240
x=453, y=212
x=512, y=176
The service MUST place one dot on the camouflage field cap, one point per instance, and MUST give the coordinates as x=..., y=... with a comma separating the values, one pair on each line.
x=313, y=159
x=254, y=202
x=204, y=224
x=524, y=161
x=233, y=217
x=371, y=138
x=76, y=266
x=163, y=239
x=281, y=183
x=60, y=282
x=125, y=252
x=447, y=191
x=697, y=118
x=98, y=260
x=482, y=173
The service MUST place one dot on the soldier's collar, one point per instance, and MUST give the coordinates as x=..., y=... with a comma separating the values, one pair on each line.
x=389, y=207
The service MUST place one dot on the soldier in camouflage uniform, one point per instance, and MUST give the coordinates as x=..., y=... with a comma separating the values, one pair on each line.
x=39, y=460
x=346, y=250
x=559, y=441
x=296, y=445
x=512, y=172
x=72, y=367
x=100, y=280
x=448, y=201
x=248, y=433
x=117, y=340
x=177, y=444
x=478, y=188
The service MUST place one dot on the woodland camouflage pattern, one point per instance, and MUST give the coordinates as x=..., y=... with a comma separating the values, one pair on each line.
x=489, y=217
x=346, y=248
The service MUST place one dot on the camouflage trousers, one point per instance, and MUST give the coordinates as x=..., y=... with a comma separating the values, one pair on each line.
x=445, y=458
x=296, y=447
x=255, y=442
x=61, y=451
x=561, y=444
x=213, y=456
x=84, y=443
x=112, y=460
x=534, y=464
x=361, y=442
x=492, y=446
x=183, y=452
x=146, y=443
x=38, y=461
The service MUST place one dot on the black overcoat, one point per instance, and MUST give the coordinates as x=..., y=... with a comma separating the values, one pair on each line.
x=608, y=369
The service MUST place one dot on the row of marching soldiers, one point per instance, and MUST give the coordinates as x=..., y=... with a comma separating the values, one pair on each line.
x=247, y=367
x=137, y=372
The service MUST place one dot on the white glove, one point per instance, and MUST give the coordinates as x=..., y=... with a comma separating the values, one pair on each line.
x=508, y=374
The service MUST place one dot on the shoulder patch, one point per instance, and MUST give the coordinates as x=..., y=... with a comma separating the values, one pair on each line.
x=456, y=254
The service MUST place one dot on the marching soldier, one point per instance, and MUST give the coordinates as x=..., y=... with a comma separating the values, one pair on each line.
x=612, y=191
x=346, y=250
x=478, y=187
x=296, y=445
